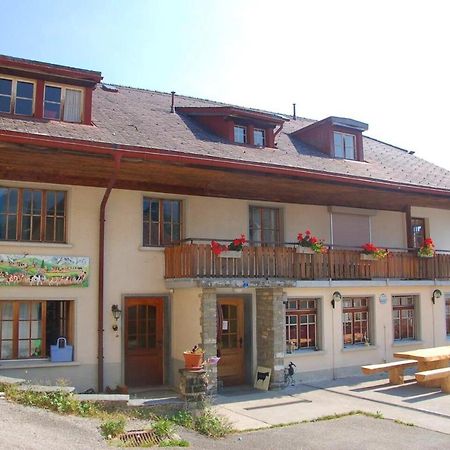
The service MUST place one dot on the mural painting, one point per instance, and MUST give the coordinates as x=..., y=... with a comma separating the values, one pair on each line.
x=36, y=270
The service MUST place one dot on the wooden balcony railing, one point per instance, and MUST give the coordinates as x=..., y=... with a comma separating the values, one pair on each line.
x=198, y=261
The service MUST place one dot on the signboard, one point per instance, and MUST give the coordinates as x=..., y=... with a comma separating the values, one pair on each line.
x=37, y=270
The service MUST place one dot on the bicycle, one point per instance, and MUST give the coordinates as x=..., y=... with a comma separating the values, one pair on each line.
x=289, y=374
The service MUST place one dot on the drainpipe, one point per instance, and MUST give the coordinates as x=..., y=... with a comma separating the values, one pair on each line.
x=101, y=268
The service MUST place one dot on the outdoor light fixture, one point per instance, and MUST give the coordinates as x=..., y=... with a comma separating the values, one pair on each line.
x=437, y=293
x=116, y=312
x=337, y=297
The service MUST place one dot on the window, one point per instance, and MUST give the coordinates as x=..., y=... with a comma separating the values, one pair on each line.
x=355, y=320
x=403, y=309
x=16, y=97
x=62, y=102
x=32, y=215
x=162, y=221
x=447, y=315
x=240, y=134
x=259, y=137
x=344, y=145
x=264, y=226
x=417, y=231
x=301, y=324
x=28, y=328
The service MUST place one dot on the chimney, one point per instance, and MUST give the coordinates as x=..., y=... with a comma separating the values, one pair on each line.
x=172, y=106
x=294, y=115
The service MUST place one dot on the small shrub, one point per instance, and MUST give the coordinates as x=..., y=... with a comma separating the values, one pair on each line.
x=163, y=428
x=183, y=418
x=109, y=429
x=211, y=425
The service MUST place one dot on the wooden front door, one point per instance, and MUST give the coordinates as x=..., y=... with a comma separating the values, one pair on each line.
x=143, y=341
x=230, y=341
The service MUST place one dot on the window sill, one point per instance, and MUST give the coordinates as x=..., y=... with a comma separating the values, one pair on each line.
x=34, y=364
x=358, y=348
x=304, y=353
x=404, y=343
x=151, y=249
x=33, y=244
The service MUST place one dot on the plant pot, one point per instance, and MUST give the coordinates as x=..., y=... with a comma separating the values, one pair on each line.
x=230, y=254
x=365, y=257
x=193, y=360
x=308, y=250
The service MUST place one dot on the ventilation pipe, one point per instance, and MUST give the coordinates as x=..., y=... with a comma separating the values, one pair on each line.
x=172, y=106
x=294, y=115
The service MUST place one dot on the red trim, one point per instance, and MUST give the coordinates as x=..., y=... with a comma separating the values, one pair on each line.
x=87, y=115
x=39, y=100
x=130, y=151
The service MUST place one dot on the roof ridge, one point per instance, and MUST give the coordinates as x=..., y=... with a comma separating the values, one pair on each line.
x=208, y=100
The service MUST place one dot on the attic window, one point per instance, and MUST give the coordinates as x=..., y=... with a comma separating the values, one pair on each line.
x=259, y=137
x=344, y=145
x=240, y=134
x=62, y=103
x=16, y=97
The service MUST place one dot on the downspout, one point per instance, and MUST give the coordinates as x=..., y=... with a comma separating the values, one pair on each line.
x=101, y=268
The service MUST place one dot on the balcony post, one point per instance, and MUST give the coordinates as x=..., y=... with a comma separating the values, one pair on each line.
x=270, y=330
x=208, y=322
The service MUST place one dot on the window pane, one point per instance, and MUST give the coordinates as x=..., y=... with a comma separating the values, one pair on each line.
x=50, y=200
x=2, y=226
x=155, y=211
x=60, y=235
x=24, y=349
x=60, y=203
x=338, y=145
x=146, y=210
x=24, y=329
x=349, y=146
x=5, y=86
x=5, y=104
x=167, y=210
x=36, y=227
x=72, y=106
x=240, y=135
x=6, y=311
x=13, y=196
x=27, y=205
x=24, y=107
x=3, y=199
x=24, y=90
x=6, y=350
x=52, y=94
x=52, y=110
x=37, y=202
x=259, y=137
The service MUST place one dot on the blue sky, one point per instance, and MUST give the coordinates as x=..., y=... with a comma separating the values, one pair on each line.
x=381, y=62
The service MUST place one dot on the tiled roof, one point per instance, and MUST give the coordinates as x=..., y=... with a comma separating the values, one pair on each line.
x=142, y=118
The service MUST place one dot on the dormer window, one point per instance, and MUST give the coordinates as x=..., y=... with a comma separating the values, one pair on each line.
x=344, y=145
x=16, y=96
x=62, y=103
x=259, y=137
x=240, y=134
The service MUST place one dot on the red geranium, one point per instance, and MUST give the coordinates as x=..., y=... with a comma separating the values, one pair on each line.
x=235, y=245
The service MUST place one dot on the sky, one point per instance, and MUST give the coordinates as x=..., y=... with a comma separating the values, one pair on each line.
x=385, y=63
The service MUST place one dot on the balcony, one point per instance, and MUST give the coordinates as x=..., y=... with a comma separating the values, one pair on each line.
x=196, y=261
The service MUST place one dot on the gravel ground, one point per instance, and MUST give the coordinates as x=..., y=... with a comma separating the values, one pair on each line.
x=30, y=428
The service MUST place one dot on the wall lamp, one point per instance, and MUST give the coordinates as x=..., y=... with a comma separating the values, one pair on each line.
x=337, y=297
x=437, y=293
x=116, y=312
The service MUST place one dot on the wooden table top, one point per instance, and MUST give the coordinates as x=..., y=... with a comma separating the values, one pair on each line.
x=426, y=354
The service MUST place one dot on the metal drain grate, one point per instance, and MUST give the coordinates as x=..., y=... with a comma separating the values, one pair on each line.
x=138, y=438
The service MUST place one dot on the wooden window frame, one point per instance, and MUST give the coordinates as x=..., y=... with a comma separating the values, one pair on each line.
x=160, y=222
x=19, y=237
x=242, y=127
x=353, y=310
x=342, y=136
x=12, y=106
x=69, y=321
x=400, y=309
x=414, y=242
x=64, y=88
x=277, y=229
x=300, y=311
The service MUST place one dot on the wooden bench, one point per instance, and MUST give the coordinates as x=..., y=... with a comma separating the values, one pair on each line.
x=443, y=375
x=395, y=369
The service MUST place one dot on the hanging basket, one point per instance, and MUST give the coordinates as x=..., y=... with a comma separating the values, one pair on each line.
x=193, y=360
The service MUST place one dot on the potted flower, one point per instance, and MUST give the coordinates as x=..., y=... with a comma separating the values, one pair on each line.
x=232, y=250
x=193, y=359
x=426, y=250
x=310, y=244
x=372, y=253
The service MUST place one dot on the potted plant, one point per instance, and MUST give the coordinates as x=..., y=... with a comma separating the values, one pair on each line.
x=232, y=250
x=372, y=253
x=426, y=250
x=193, y=359
x=307, y=243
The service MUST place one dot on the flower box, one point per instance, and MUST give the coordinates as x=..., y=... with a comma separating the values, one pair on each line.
x=366, y=257
x=308, y=250
x=230, y=254
x=425, y=256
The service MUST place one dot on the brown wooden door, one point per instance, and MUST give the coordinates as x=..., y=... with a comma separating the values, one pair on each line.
x=230, y=342
x=143, y=341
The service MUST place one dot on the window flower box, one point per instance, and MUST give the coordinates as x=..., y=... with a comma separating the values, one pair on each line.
x=366, y=257
x=230, y=254
x=307, y=250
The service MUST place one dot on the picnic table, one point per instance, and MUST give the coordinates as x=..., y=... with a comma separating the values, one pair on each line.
x=428, y=359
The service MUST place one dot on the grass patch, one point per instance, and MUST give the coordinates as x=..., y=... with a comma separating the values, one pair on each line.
x=376, y=415
x=111, y=428
x=400, y=422
x=174, y=443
